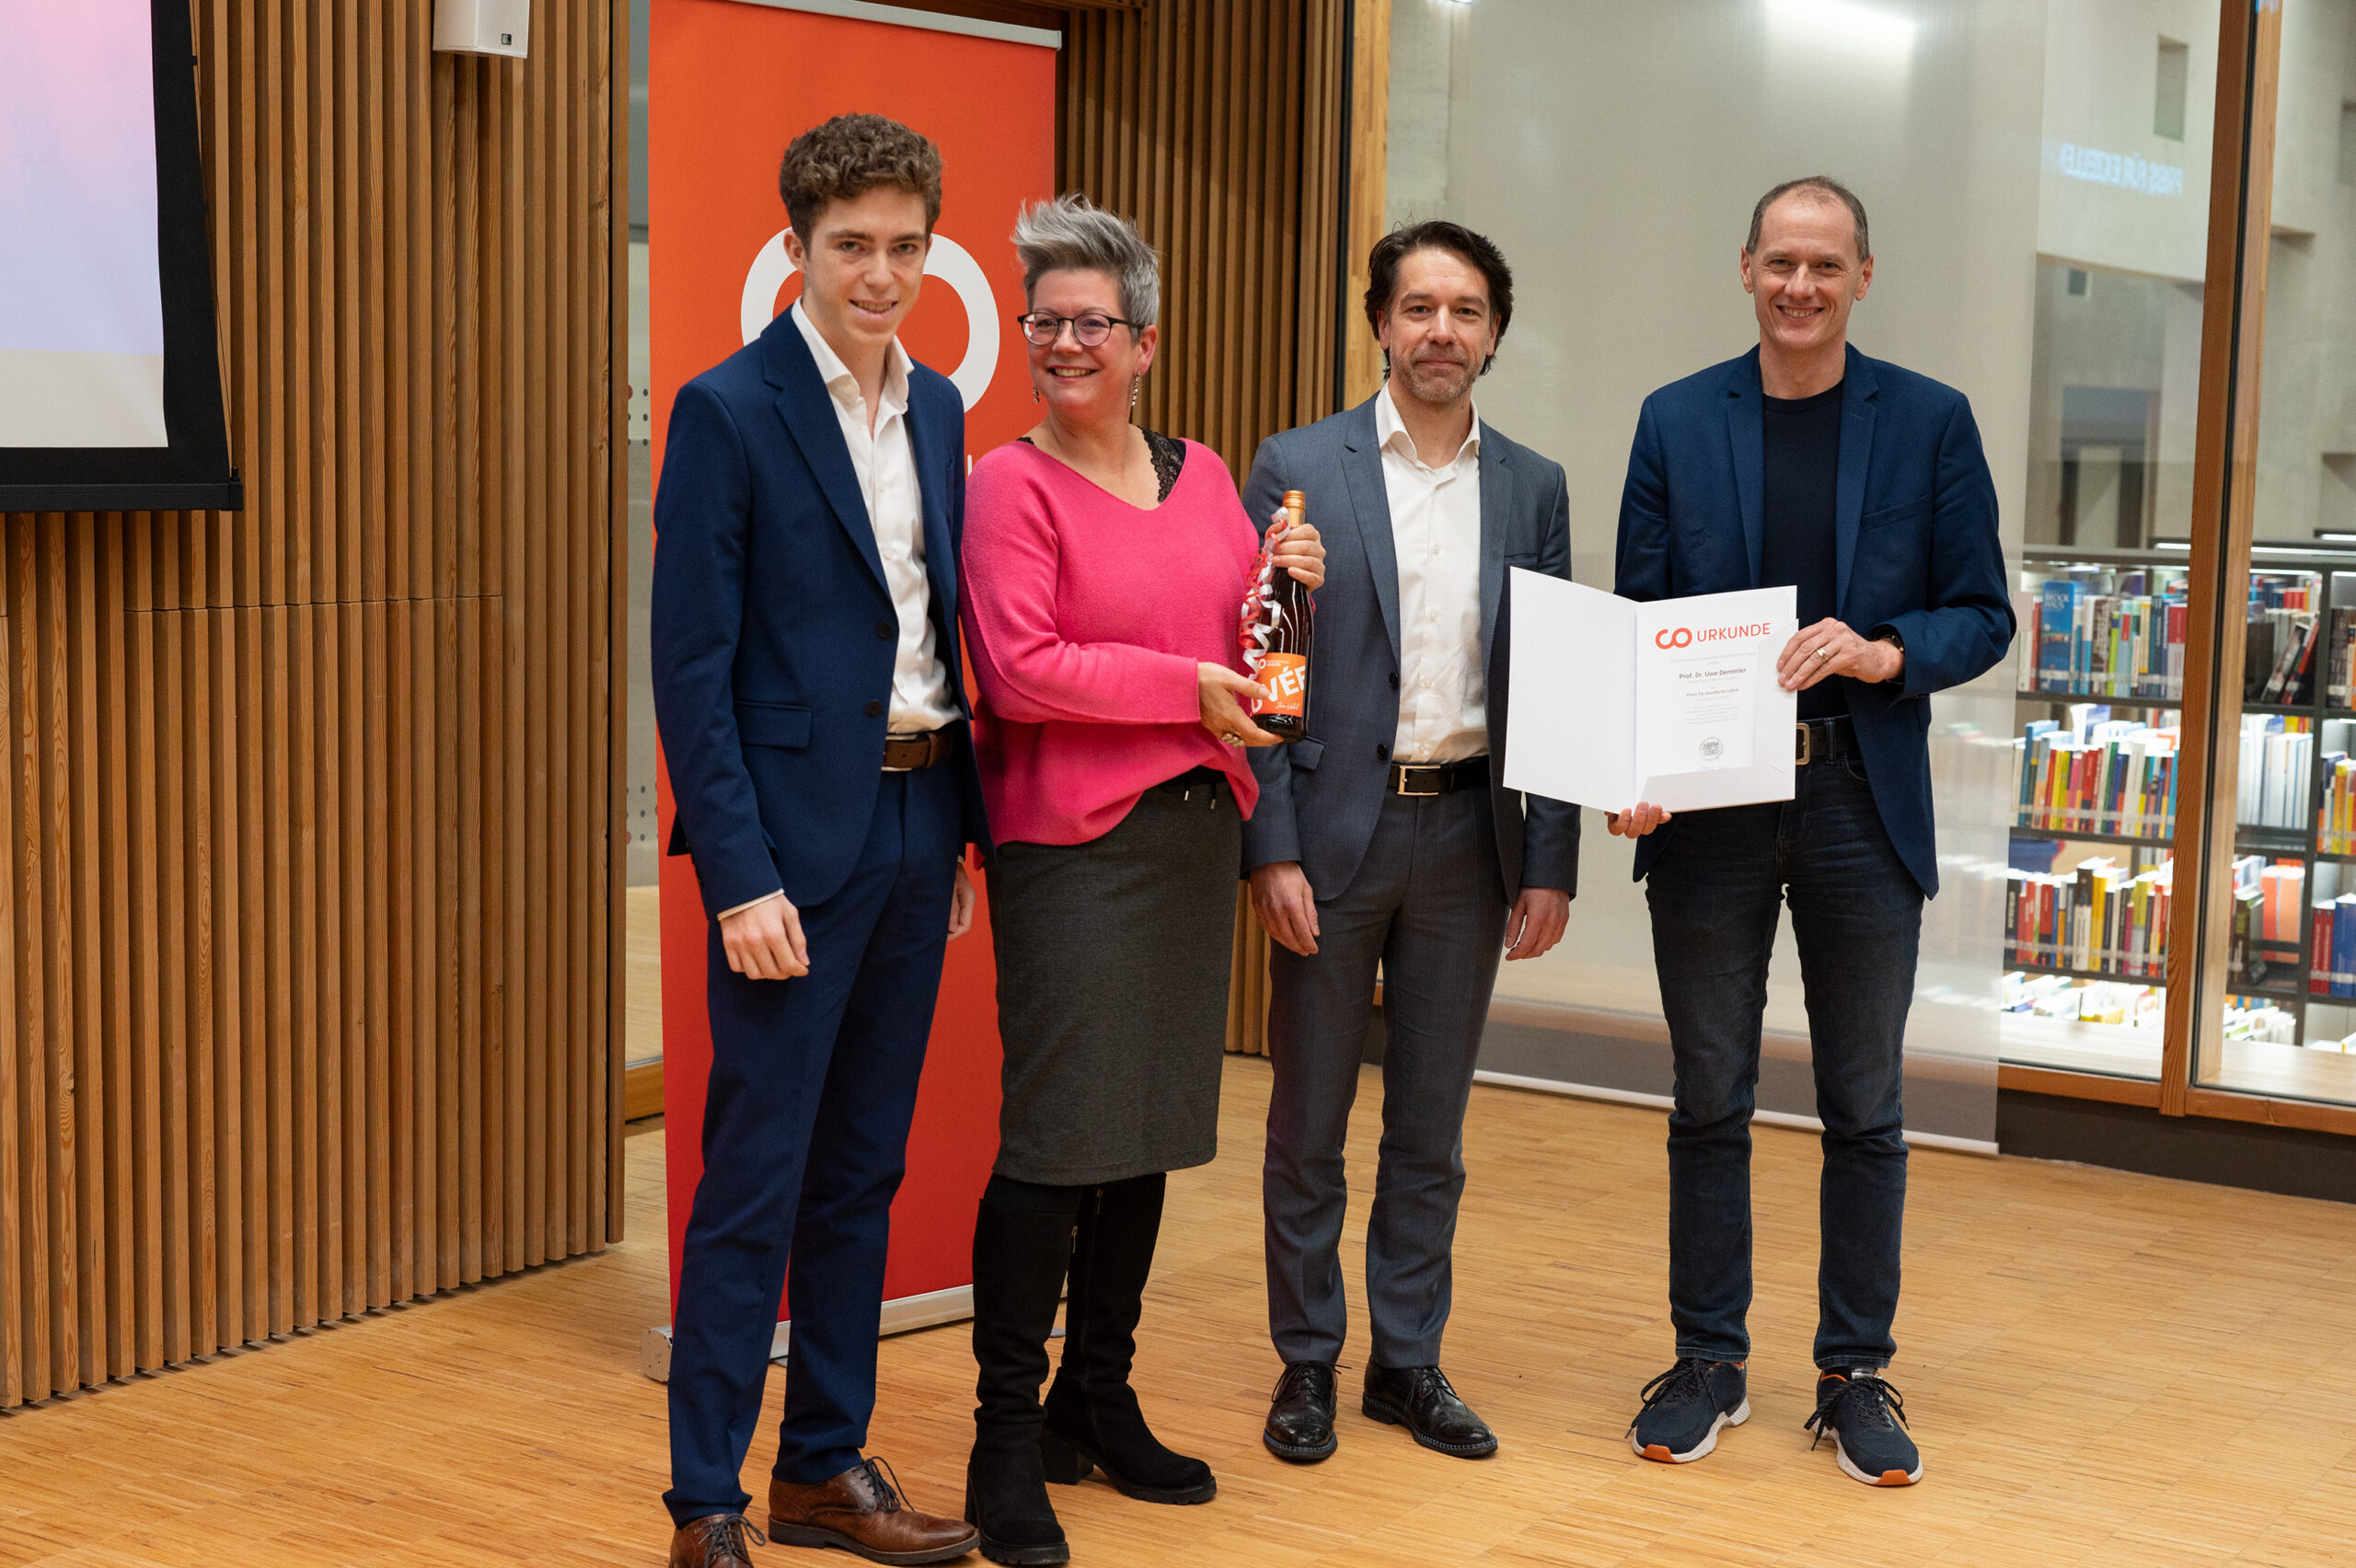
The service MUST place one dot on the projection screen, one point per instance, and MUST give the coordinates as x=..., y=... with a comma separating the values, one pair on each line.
x=110, y=369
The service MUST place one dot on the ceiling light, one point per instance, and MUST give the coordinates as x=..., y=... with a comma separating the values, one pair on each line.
x=1835, y=23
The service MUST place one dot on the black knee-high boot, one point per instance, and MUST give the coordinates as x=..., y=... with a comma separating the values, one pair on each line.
x=1093, y=1416
x=1020, y=1260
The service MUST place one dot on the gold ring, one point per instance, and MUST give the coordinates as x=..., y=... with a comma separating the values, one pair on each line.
x=1825, y=651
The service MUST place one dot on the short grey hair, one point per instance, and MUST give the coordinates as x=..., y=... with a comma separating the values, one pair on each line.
x=1823, y=187
x=1072, y=233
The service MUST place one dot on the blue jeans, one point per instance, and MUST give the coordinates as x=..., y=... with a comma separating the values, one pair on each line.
x=1857, y=915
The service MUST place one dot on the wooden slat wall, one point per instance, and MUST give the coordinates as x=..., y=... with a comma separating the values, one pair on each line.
x=312, y=1005
x=1218, y=126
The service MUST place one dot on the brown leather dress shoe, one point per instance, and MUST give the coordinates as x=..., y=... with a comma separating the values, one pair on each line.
x=716, y=1540
x=862, y=1511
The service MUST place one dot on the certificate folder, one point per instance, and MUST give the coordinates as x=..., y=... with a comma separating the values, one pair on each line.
x=1674, y=702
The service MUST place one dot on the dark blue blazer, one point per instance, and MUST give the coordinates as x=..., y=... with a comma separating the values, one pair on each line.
x=1916, y=540
x=773, y=635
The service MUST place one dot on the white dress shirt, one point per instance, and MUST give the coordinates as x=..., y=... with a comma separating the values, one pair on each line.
x=886, y=466
x=1436, y=533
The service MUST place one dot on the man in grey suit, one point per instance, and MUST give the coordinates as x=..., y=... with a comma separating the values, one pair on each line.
x=1387, y=833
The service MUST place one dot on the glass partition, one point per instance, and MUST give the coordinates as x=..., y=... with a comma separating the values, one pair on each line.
x=2290, y=1028
x=2090, y=875
x=2038, y=178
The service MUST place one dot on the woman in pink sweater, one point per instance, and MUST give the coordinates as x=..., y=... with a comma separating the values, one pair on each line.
x=1105, y=568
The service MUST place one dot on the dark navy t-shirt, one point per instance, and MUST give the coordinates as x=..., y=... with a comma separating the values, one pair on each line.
x=1802, y=482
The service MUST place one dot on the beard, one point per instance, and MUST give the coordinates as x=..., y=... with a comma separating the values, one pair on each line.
x=1437, y=381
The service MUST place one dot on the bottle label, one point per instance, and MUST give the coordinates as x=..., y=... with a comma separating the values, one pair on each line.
x=1285, y=678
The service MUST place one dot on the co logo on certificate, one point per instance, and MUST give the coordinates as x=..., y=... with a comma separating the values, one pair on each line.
x=1681, y=638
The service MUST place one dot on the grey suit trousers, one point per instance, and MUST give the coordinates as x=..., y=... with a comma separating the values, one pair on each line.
x=1428, y=903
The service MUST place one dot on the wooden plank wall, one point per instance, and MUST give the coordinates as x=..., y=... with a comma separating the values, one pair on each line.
x=312, y=1004
x=1218, y=127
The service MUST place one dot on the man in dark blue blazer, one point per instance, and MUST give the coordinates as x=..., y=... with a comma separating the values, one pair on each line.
x=1863, y=485
x=813, y=716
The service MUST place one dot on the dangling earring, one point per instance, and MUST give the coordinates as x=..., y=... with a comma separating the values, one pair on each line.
x=1134, y=386
x=1034, y=391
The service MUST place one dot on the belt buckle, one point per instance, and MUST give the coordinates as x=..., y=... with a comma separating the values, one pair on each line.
x=1438, y=772
x=1804, y=746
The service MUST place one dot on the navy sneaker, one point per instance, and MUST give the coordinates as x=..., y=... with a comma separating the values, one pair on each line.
x=1867, y=1421
x=1686, y=1406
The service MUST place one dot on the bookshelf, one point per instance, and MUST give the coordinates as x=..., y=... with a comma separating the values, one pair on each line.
x=2091, y=879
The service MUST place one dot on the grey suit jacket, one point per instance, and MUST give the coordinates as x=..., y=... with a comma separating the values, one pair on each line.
x=1320, y=796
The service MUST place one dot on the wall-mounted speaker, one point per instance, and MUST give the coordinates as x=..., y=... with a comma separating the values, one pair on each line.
x=483, y=27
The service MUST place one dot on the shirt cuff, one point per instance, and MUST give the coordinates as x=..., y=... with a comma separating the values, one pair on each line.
x=752, y=902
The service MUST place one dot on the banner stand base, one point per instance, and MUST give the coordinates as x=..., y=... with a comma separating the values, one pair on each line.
x=906, y=1315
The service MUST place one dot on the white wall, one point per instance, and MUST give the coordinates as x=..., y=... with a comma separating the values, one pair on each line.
x=2307, y=407
x=1614, y=152
x=2101, y=65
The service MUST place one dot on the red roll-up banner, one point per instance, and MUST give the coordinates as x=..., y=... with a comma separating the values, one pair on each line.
x=729, y=84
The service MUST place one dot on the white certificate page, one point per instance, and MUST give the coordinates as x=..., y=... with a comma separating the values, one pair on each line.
x=1674, y=702
x=1702, y=711
x=1714, y=726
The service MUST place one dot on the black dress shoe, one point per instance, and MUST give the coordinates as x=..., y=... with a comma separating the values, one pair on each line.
x=1301, y=1414
x=1419, y=1399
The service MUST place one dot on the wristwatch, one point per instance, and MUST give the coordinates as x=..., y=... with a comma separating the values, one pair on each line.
x=1889, y=634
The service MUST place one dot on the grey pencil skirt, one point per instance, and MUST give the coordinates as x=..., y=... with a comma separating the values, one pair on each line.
x=1112, y=963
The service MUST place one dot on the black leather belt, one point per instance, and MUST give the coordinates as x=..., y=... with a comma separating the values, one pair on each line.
x=1418, y=779
x=905, y=753
x=1822, y=740
x=1208, y=782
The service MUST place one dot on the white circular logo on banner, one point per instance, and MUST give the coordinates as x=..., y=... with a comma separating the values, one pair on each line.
x=949, y=262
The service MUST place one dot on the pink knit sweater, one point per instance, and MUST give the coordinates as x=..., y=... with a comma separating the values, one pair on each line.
x=1085, y=619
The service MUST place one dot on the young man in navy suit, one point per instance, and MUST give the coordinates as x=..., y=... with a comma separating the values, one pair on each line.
x=814, y=718
x=1862, y=485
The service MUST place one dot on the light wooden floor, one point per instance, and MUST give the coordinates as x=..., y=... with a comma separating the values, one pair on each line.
x=2103, y=1368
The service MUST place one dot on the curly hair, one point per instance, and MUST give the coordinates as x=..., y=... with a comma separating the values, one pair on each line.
x=849, y=155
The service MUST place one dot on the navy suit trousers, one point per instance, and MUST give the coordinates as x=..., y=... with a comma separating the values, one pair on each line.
x=806, y=1130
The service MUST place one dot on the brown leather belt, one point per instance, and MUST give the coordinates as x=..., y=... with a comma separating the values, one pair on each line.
x=905, y=753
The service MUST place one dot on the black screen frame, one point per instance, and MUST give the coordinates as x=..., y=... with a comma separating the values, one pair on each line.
x=194, y=471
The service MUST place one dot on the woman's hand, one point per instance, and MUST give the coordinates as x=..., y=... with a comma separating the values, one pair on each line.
x=1226, y=699
x=1299, y=550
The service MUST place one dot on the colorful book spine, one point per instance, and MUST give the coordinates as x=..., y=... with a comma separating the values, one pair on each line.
x=2095, y=918
x=2056, y=650
x=2319, y=951
x=2122, y=785
x=2123, y=644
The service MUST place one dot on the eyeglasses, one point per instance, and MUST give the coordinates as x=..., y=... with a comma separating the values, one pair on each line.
x=1090, y=331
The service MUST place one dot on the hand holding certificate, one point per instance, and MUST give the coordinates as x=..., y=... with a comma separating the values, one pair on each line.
x=1675, y=703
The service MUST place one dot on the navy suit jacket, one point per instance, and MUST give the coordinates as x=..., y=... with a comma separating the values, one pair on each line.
x=773, y=635
x=1916, y=545
x=1322, y=796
